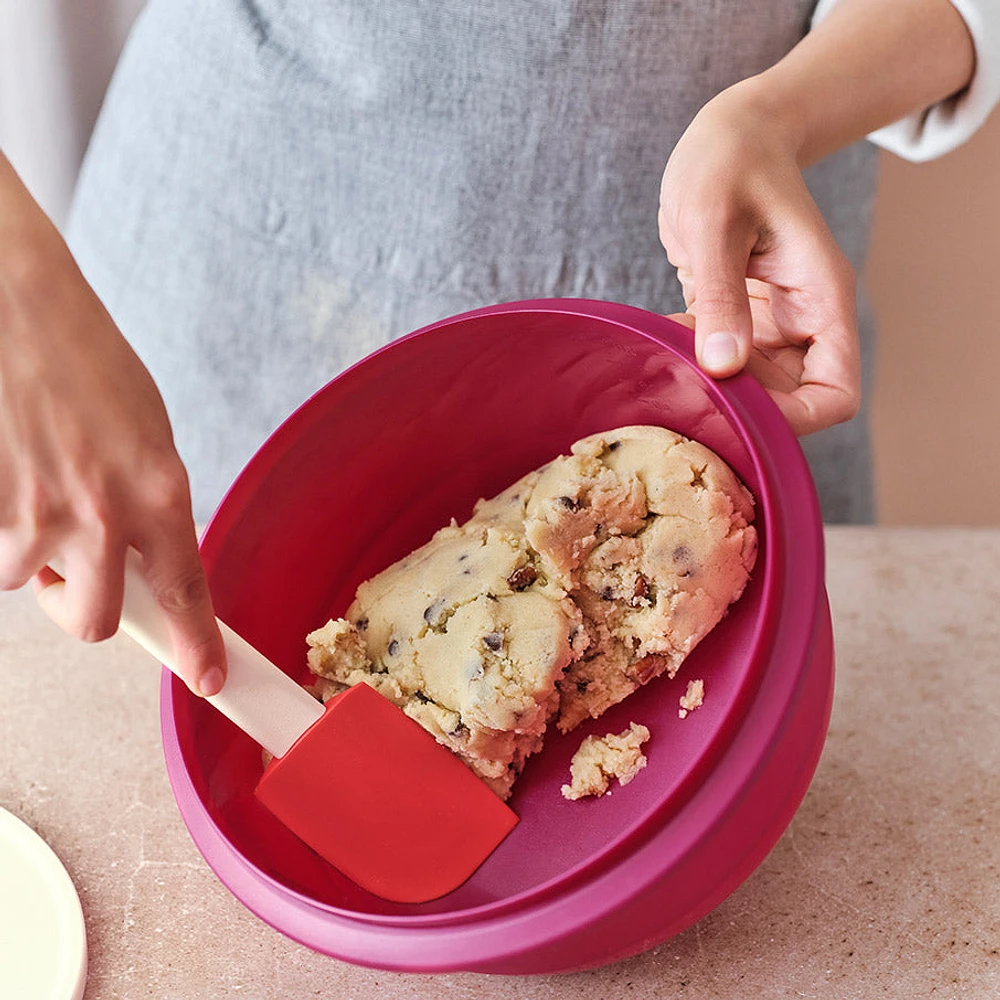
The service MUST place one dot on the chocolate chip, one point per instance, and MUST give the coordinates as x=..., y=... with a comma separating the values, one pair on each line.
x=607, y=594
x=421, y=697
x=614, y=446
x=493, y=641
x=569, y=503
x=581, y=686
x=682, y=554
x=434, y=614
x=522, y=578
x=361, y=624
x=393, y=648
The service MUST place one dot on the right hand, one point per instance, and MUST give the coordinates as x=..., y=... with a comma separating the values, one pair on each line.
x=88, y=465
x=761, y=273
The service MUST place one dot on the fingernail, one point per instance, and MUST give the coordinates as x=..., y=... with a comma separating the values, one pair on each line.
x=720, y=350
x=211, y=682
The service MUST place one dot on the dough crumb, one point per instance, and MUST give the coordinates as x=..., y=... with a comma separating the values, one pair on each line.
x=692, y=698
x=600, y=759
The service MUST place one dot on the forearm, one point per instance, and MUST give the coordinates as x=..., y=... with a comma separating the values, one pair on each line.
x=28, y=240
x=867, y=64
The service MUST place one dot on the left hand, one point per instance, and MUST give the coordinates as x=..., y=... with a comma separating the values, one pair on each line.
x=762, y=274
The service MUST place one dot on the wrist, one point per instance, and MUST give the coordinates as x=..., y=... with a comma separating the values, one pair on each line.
x=755, y=108
x=864, y=66
x=30, y=245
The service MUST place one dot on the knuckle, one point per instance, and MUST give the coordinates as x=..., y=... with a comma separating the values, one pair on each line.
x=668, y=241
x=19, y=559
x=184, y=594
x=721, y=298
x=721, y=294
x=700, y=216
x=201, y=653
x=97, y=628
x=838, y=408
x=165, y=485
x=40, y=513
x=13, y=576
x=10, y=560
x=850, y=405
x=96, y=510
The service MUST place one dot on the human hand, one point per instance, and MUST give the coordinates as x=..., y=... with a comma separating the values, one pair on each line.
x=761, y=273
x=87, y=461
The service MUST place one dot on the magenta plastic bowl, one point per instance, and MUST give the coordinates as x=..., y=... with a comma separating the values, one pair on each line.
x=367, y=470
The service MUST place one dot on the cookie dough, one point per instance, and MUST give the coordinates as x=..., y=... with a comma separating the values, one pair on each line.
x=603, y=758
x=693, y=698
x=559, y=597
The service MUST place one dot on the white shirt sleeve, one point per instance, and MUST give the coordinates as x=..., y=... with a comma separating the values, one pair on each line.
x=941, y=128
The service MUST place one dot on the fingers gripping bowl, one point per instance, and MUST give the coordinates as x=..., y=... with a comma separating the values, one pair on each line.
x=365, y=472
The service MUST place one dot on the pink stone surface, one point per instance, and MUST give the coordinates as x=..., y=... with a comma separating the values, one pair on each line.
x=884, y=885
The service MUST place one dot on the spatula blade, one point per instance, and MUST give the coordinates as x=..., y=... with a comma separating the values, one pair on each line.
x=379, y=798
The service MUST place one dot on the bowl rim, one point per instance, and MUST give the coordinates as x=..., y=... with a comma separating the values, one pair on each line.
x=754, y=418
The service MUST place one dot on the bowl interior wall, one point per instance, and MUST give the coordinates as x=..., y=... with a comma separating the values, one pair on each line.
x=375, y=463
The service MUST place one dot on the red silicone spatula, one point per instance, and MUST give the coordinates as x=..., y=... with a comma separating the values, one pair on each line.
x=359, y=781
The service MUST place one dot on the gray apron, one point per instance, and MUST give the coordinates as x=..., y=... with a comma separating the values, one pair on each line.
x=277, y=187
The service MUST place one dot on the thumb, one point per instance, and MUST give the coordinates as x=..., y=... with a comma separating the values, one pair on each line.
x=723, y=331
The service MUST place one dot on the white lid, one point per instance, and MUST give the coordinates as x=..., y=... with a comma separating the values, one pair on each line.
x=43, y=942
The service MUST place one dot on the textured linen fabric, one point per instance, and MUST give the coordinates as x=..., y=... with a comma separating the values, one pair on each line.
x=274, y=189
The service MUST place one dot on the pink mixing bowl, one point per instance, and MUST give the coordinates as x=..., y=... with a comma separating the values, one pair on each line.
x=367, y=470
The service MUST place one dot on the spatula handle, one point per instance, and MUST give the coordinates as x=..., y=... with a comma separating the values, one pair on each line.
x=259, y=697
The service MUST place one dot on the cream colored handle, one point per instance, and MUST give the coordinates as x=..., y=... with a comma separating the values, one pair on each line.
x=259, y=697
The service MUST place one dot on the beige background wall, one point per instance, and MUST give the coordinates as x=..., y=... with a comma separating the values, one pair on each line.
x=934, y=277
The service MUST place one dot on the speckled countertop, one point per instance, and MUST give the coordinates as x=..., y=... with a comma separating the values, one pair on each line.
x=886, y=884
